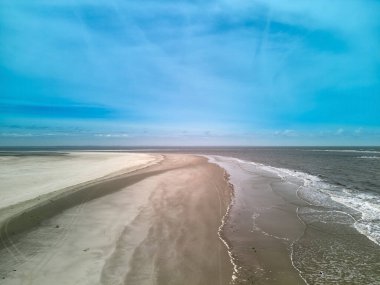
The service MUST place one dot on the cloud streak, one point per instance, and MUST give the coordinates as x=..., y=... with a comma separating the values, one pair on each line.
x=226, y=66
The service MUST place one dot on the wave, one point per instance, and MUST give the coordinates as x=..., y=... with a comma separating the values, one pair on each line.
x=320, y=193
x=346, y=150
x=369, y=157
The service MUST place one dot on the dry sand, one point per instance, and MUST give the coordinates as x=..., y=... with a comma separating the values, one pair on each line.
x=157, y=225
x=25, y=177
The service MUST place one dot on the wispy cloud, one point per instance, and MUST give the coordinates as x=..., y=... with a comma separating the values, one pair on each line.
x=164, y=66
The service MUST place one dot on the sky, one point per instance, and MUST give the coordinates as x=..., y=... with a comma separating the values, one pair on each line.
x=171, y=72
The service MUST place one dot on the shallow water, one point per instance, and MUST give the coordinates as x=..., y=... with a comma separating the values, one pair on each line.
x=340, y=243
x=348, y=176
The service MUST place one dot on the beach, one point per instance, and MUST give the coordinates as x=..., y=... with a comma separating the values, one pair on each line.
x=25, y=176
x=185, y=217
x=157, y=224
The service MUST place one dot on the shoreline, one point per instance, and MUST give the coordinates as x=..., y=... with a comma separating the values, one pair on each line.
x=261, y=228
x=320, y=238
x=222, y=226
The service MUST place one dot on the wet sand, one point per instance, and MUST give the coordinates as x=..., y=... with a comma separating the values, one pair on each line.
x=158, y=225
x=262, y=226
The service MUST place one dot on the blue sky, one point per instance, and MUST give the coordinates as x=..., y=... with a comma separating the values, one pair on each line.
x=231, y=72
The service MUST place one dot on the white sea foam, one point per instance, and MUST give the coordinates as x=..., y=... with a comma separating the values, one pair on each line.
x=235, y=272
x=317, y=192
x=347, y=150
x=366, y=203
x=369, y=157
x=255, y=227
x=229, y=250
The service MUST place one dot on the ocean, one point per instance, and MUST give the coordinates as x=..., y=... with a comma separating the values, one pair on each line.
x=337, y=200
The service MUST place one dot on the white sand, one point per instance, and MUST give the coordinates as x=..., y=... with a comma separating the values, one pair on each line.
x=160, y=230
x=26, y=177
x=75, y=252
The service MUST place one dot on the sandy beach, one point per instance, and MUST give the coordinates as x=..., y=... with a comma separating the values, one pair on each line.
x=155, y=225
x=158, y=218
x=25, y=176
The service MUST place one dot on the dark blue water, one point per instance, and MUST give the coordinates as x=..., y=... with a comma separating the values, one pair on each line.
x=355, y=168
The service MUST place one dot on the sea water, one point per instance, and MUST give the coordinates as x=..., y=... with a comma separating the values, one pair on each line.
x=341, y=188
